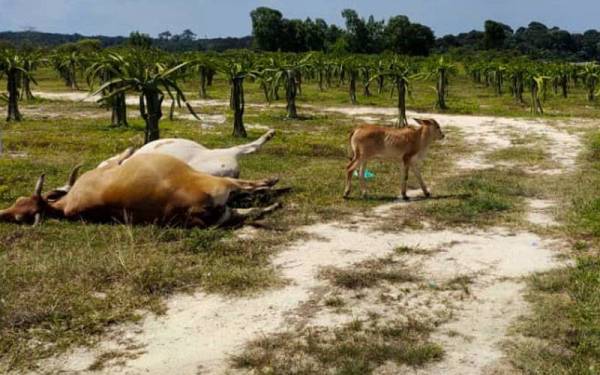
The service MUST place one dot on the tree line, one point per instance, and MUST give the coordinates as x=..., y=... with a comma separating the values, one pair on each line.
x=271, y=31
x=536, y=40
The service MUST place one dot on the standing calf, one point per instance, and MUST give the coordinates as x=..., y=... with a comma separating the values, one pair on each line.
x=407, y=145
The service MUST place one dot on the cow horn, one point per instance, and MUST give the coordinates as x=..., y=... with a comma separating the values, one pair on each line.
x=39, y=186
x=126, y=155
x=74, y=174
x=37, y=219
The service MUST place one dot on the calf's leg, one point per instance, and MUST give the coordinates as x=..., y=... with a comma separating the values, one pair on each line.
x=349, y=171
x=404, y=179
x=417, y=172
x=361, y=179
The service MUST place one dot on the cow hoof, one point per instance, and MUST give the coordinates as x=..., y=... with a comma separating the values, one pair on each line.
x=405, y=197
x=428, y=195
x=270, y=134
x=273, y=207
x=271, y=181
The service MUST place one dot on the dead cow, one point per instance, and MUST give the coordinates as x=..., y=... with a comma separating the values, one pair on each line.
x=407, y=145
x=148, y=188
x=222, y=162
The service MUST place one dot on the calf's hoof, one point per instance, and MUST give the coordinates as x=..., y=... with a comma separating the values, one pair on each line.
x=427, y=194
x=405, y=197
x=346, y=193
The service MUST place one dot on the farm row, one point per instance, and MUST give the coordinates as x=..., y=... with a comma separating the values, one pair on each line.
x=554, y=88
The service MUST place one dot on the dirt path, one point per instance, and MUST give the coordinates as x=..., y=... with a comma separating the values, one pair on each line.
x=200, y=332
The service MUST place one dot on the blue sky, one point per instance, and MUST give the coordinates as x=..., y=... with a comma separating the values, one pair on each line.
x=214, y=18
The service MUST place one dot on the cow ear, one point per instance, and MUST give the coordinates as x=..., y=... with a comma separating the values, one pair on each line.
x=55, y=195
x=420, y=121
x=73, y=175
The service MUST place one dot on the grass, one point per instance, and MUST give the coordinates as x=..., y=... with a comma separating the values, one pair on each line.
x=563, y=333
x=358, y=347
x=52, y=275
x=522, y=155
x=483, y=197
x=65, y=283
x=368, y=274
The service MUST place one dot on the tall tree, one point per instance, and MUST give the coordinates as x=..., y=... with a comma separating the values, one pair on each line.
x=165, y=35
x=496, y=34
x=267, y=28
x=404, y=37
x=140, y=40
x=358, y=34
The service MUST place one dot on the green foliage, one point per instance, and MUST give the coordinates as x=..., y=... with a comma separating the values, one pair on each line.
x=496, y=34
x=480, y=197
x=143, y=72
x=139, y=40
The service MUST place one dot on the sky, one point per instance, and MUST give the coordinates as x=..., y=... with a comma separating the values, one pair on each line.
x=220, y=18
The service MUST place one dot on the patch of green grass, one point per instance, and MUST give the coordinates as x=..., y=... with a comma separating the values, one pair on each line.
x=63, y=283
x=408, y=250
x=564, y=329
x=368, y=274
x=565, y=322
x=482, y=197
x=358, y=347
x=334, y=302
x=459, y=283
x=584, y=211
x=526, y=155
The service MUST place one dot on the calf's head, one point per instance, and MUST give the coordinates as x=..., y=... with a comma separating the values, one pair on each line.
x=26, y=210
x=433, y=127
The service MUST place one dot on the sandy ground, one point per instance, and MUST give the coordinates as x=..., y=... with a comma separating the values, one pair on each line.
x=200, y=332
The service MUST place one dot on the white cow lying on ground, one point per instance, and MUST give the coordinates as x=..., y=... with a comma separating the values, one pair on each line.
x=222, y=162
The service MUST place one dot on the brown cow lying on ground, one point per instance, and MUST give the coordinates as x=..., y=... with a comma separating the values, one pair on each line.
x=407, y=145
x=149, y=188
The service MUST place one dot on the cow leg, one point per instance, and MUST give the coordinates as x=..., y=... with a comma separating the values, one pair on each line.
x=254, y=211
x=415, y=168
x=233, y=216
x=404, y=179
x=252, y=185
x=349, y=171
x=254, y=146
x=361, y=179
